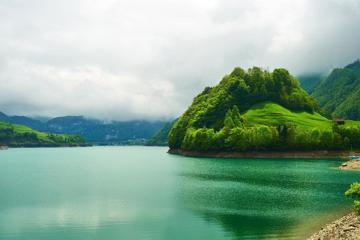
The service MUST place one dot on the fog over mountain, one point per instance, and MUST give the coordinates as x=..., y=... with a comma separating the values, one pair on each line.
x=134, y=59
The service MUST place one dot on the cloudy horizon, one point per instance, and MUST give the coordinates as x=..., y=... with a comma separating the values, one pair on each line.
x=131, y=59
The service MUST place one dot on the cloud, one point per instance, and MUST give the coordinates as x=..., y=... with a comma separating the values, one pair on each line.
x=135, y=59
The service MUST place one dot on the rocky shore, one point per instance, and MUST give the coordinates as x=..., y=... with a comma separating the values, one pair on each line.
x=351, y=165
x=345, y=228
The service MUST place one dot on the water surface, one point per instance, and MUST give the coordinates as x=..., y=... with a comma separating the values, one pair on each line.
x=144, y=193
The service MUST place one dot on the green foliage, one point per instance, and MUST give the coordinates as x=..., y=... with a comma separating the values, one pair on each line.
x=256, y=110
x=233, y=118
x=268, y=113
x=161, y=137
x=339, y=93
x=354, y=193
x=20, y=136
x=241, y=89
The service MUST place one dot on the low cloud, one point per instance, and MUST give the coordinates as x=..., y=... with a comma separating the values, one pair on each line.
x=147, y=59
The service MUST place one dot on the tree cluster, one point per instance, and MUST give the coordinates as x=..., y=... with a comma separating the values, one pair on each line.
x=237, y=136
x=10, y=137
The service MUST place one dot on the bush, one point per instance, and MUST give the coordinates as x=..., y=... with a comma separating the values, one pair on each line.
x=354, y=193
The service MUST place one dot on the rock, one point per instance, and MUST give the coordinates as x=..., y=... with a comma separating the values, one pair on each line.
x=345, y=228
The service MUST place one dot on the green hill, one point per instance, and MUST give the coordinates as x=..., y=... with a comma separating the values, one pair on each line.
x=257, y=110
x=14, y=135
x=273, y=114
x=339, y=93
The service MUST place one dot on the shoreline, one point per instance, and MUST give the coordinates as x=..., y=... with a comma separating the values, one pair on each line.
x=346, y=227
x=353, y=165
x=290, y=154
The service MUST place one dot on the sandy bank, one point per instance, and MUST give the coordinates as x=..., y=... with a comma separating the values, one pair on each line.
x=351, y=165
x=344, y=228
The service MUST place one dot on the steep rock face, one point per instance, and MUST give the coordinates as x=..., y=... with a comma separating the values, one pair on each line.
x=339, y=93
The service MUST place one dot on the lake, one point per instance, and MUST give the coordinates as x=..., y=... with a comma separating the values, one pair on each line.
x=144, y=193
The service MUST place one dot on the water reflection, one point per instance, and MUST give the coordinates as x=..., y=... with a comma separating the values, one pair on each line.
x=143, y=193
x=261, y=199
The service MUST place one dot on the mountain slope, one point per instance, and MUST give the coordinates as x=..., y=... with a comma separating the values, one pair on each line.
x=339, y=93
x=256, y=110
x=161, y=138
x=22, y=120
x=94, y=131
x=310, y=81
x=268, y=113
x=21, y=136
x=104, y=132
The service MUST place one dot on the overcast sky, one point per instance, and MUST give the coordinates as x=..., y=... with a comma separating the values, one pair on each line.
x=147, y=59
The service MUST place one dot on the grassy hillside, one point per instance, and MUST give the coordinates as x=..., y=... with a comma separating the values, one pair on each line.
x=273, y=114
x=339, y=93
x=256, y=110
x=21, y=136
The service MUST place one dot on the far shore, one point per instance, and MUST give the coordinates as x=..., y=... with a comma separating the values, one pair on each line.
x=288, y=154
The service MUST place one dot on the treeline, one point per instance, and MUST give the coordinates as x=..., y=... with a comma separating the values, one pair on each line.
x=244, y=89
x=10, y=137
x=236, y=135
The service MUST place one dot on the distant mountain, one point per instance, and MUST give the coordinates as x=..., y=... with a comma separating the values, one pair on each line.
x=22, y=120
x=339, y=93
x=93, y=131
x=310, y=81
x=104, y=132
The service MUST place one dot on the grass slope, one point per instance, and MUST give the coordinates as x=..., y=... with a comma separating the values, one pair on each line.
x=273, y=114
x=20, y=135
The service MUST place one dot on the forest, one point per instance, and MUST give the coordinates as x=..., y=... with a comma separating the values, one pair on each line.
x=258, y=110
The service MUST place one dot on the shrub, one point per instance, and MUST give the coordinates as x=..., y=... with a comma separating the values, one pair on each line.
x=354, y=193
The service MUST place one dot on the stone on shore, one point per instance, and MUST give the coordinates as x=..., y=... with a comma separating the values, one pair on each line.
x=351, y=165
x=345, y=228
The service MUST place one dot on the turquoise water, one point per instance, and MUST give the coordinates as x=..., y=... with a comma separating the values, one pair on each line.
x=145, y=193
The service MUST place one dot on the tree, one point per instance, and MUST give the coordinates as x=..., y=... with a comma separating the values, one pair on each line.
x=354, y=193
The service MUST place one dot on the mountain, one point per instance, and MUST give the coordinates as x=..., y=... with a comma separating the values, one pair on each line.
x=92, y=130
x=14, y=135
x=22, y=120
x=339, y=93
x=309, y=81
x=160, y=138
x=257, y=110
x=96, y=131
